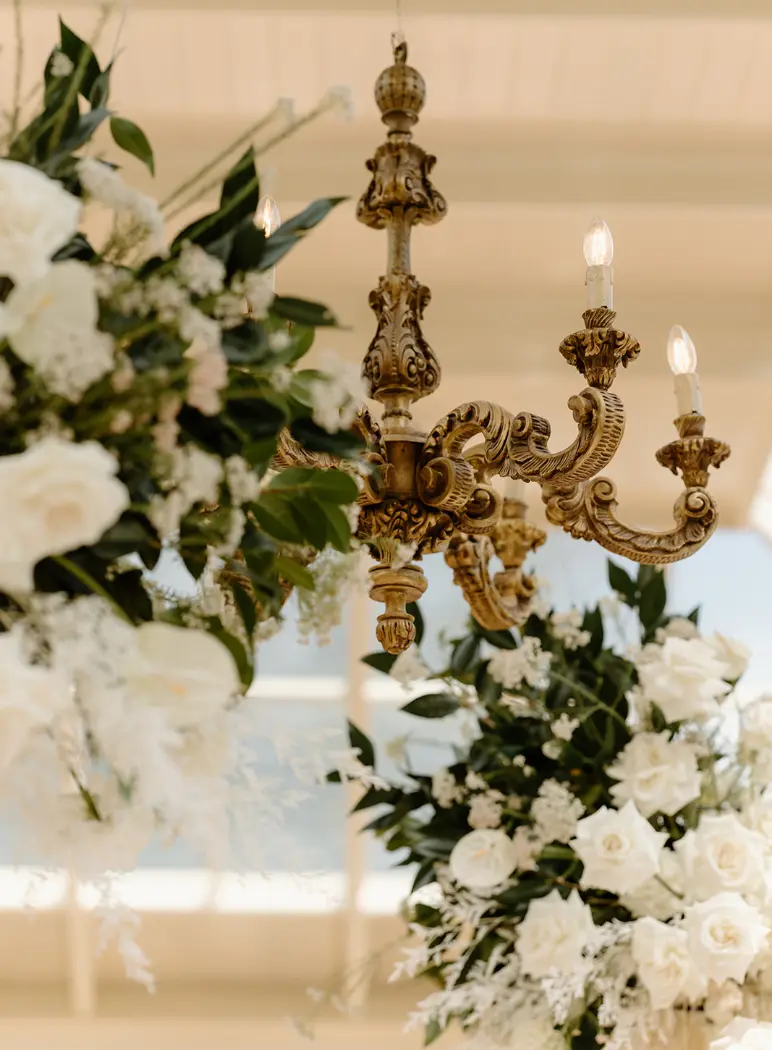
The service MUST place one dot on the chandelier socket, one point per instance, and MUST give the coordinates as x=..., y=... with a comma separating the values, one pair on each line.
x=599, y=349
x=692, y=455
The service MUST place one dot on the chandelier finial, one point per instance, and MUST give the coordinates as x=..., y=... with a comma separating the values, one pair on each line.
x=400, y=90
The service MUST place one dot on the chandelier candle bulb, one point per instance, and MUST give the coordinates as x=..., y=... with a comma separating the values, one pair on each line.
x=599, y=253
x=267, y=218
x=682, y=358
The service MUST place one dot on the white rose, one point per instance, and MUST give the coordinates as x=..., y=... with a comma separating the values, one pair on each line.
x=684, y=679
x=744, y=1034
x=185, y=672
x=756, y=725
x=733, y=654
x=661, y=954
x=721, y=855
x=553, y=934
x=619, y=848
x=483, y=859
x=37, y=218
x=758, y=813
x=660, y=775
x=51, y=325
x=30, y=697
x=678, y=627
x=57, y=496
x=660, y=897
x=725, y=935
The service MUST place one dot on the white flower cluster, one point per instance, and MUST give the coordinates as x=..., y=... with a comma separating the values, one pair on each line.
x=528, y=663
x=112, y=733
x=687, y=849
x=337, y=395
x=567, y=628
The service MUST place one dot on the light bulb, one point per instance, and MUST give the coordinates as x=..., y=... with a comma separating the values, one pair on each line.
x=267, y=215
x=598, y=244
x=681, y=355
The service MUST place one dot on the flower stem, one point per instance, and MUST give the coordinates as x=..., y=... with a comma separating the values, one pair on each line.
x=242, y=140
x=18, y=70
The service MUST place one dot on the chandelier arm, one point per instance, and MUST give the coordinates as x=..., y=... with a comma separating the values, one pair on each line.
x=290, y=453
x=515, y=446
x=502, y=600
x=586, y=510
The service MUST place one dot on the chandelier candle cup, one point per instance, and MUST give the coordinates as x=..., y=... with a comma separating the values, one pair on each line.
x=682, y=358
x=267, y=217
x=599, y=253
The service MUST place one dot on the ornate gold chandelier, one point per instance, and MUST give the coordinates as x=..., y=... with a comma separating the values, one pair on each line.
x=431, y=493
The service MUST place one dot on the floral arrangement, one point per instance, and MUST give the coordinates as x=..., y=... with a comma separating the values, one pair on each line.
x=144, y=386
x=593, y=866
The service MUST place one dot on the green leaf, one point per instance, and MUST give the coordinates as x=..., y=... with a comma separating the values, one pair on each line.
x=312, y=215
x=415, y=611
x=501, y=639
x=294, y=573
x=327, y=486
x=338, y=527
x=653, y=600
x=380, y=661
x=377, y=797
x=128, y=137
x=274, y=516
x=359, y=740
x=131, y=534
x=464, y=655
x=308, y=520
x=99, y=94
x=433, y=1032
x=80, y=133
x=433, y=705
x=247, y=249
x=424, y=876
x=344, y=443
x=236, y=649
x=241, y=182
x=621, y=582
x=303, y=311
x=79, y=53
x=245, y=602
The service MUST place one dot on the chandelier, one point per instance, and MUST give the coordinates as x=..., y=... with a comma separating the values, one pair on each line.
x=431, y=492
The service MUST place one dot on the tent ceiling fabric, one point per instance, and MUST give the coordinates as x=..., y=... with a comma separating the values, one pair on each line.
x=667, y=136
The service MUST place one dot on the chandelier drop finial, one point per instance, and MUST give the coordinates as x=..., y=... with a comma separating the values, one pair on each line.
x=432, y=492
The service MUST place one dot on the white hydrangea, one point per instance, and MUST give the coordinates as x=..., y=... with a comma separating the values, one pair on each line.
x=529, y=663
x=196, y=327
x=446, y=791
x=257, y=288
x=564, y=727
x=51, y=325
x=134, y=210
x=485, y=810
x=337, y=395
x=567, y=628
x=199, y=271
x=556, y=812
x=335, y=575
x=208, y=376
x=243, y=483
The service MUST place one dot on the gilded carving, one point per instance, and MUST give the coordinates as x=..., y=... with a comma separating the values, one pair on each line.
x=599, y=349
x=504, y=600
x=586, y=510
x=400, y=366
x=407, y=521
